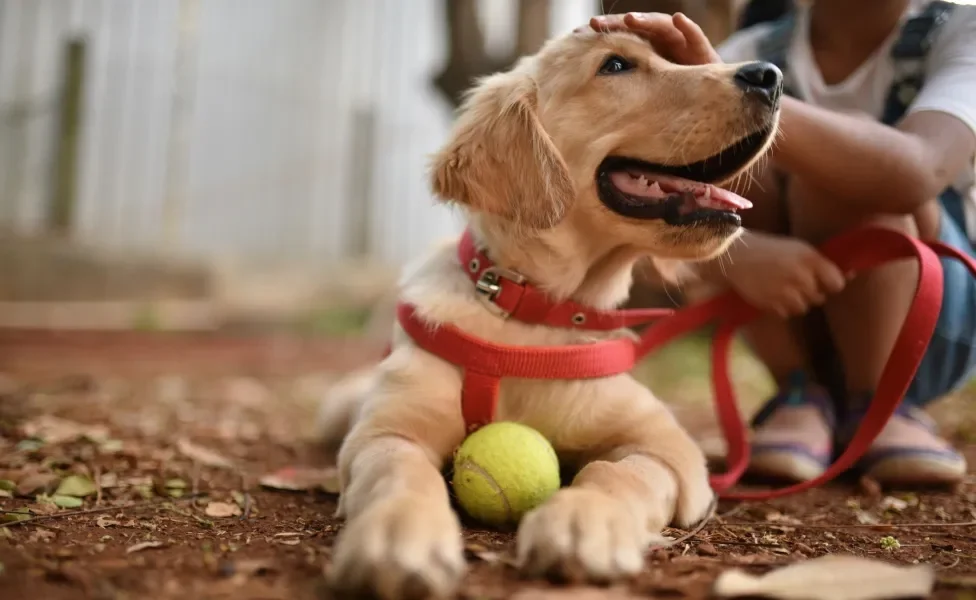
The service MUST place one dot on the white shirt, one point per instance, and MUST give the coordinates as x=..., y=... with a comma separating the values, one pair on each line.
x=950, y=76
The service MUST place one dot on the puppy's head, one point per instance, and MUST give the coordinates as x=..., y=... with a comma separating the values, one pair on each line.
x=599, y=134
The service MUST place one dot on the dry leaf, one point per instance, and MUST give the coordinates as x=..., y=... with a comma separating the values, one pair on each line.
x=300, y=479
x=105, y=522
x=836, y=577
x=893, y=504
x=143, y=546
x=204, y=456
x=37, y=483
x=55, y=430
x=222, y=509
x=66, y=501
x=78, y=486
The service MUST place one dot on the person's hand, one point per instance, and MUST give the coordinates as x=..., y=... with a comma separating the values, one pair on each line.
x=676, y=38
x=782, y=275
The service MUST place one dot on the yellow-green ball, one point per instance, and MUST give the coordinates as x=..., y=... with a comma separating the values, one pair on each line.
x=503, y=471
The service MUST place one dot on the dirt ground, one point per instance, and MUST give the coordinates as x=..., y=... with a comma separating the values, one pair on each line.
x=131, y=467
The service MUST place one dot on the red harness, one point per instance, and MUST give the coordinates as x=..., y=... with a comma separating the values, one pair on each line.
x=509, y=295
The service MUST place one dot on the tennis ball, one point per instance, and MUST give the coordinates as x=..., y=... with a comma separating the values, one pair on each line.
x=503, y=471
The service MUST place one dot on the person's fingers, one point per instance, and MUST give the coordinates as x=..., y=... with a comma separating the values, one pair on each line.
x=793, y=302
x=656, y=27
x=832, y=279
x=608, y=23
x=696, y=40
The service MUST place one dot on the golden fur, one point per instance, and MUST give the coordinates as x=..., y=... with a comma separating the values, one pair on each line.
x=521, y=163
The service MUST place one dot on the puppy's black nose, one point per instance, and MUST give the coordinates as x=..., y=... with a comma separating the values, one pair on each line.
x=761, y=79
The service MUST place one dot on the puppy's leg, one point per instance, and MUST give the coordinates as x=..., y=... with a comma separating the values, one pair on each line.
x=341, y=405
x=644, y=473
x=402, y=539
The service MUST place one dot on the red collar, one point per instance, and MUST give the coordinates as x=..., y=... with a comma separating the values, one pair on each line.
x=510, y=296
x=484, y=364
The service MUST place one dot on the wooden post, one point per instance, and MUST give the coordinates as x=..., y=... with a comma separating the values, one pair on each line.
x=359, y=197
x=61, y=210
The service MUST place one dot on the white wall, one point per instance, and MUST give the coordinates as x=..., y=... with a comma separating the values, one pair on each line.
x=229, y=127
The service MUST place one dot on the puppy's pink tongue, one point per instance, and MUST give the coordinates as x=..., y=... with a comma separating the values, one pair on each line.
x=730, y=199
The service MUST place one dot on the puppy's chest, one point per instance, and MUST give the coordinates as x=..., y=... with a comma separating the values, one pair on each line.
x=552, y=405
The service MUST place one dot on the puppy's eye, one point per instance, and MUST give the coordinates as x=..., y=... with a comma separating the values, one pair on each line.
x=615, y=64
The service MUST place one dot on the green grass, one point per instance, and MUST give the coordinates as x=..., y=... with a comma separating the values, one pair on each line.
x=680, y=373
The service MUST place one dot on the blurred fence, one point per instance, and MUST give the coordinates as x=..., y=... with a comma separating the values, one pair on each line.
x=281, y=129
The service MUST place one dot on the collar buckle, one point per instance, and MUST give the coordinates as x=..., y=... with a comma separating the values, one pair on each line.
x=489, y=285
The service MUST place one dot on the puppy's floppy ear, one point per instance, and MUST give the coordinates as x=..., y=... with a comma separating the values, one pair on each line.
x=500, y=160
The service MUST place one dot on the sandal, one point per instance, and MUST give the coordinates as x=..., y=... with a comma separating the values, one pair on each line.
x=792, y=437
x=908, y=451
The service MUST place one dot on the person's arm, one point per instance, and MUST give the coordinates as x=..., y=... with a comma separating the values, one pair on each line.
x=869, y=164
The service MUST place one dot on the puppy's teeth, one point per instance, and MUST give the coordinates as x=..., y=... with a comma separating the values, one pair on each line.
x=642, y=180
x=655, y=188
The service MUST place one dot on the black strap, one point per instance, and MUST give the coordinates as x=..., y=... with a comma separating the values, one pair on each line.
x=909, y=53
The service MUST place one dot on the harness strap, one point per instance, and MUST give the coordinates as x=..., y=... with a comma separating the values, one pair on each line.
x=485, y=363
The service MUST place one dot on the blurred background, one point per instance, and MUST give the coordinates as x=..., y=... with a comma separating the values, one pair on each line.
x=197, y=164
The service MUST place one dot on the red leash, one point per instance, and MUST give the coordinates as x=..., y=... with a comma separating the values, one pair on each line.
x=485, y=363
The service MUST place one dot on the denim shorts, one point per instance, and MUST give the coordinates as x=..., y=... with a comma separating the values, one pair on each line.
x=951, y=355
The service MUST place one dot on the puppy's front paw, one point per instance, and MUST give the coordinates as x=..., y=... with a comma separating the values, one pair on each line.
x=405, y=547
x=582, y=534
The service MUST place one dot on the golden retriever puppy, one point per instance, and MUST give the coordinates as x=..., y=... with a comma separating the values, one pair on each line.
x=571, y=167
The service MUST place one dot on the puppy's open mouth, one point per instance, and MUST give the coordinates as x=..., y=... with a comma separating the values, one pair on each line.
x=679, y=195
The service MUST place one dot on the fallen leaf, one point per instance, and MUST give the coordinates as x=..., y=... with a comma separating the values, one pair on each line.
x=66, y=501
x=78, y=486
x=707, y=549
x=866, y=518
x=300, y=479
x=204, y=456
x=6, y=494
x=29, y=445
x=42, y=535
x=19, y=514
x=55, y=430
x=37, y=483
x=111, y=446
x=44, y=505
x=7, y=485
x=108, y=480
x=289, y=541
x=175, y=488
x=893, y=504
x=143, y=546
x=105, y=522
x=222, y=509
x=835, y=577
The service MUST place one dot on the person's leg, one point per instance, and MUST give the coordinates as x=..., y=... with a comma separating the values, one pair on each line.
x=792, y=432
x=864, y=320
x=909, y=449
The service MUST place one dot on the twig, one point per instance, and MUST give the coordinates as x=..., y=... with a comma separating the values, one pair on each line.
x=750, y=544
x=698, y=528
x=98, y=486
x=947, y=567
x=90, y=511
x=247, y=507
x=860, y=526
